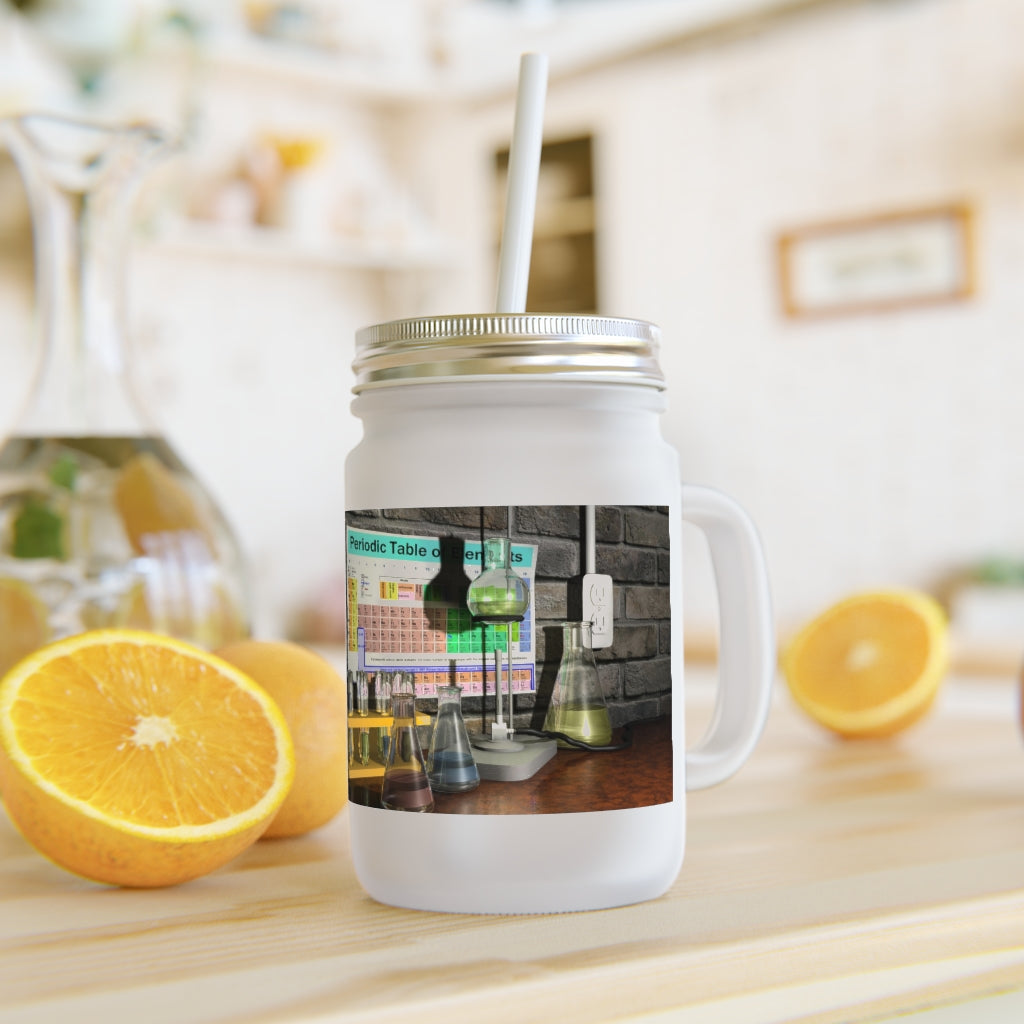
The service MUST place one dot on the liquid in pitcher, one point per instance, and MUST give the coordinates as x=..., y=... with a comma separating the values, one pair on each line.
x=100, y=532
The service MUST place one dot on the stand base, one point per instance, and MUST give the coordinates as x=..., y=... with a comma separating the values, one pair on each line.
x=513, y=765
x=500, y=746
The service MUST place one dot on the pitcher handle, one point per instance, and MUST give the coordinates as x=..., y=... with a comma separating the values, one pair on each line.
x=746, y=661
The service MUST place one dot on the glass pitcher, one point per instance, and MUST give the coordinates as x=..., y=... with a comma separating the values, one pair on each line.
x=101, y=523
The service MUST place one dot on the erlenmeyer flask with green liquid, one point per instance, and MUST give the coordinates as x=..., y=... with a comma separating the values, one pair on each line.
x=578, y=709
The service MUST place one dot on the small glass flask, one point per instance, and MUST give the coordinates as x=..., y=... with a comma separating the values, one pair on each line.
x=451, y=767
x=499, y=593
x=406, y=786
x=577, y=707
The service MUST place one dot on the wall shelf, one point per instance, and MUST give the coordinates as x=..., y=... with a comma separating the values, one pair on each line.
x=201, y=239
x=327, y=71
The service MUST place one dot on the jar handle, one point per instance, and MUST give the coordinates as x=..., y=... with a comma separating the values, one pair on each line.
x=746, y=662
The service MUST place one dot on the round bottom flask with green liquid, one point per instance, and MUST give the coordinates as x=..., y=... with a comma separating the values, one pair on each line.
x=544, y=429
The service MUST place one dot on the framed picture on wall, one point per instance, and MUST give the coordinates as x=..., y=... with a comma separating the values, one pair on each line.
x=876, y=263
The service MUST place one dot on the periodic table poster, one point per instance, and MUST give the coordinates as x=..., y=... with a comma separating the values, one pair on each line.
x=407, y=611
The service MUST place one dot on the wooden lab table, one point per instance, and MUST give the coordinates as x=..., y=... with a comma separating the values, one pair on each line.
x=827, y=881
x=637, y=776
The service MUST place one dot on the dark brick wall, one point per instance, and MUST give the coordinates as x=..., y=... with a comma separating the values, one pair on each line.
x=632, y=547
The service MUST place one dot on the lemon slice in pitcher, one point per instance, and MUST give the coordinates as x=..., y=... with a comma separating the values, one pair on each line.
x=152, y=500
x=24, y=621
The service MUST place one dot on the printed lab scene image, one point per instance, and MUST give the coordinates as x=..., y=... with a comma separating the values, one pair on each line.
x=509, y=660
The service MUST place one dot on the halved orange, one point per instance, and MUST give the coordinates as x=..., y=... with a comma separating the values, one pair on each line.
x=137, y=759
x=869, y=665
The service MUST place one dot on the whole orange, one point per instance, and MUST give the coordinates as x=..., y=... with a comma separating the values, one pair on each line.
x=312, y=697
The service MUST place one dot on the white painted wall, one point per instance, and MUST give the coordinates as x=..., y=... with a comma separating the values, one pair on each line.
x=871, y=450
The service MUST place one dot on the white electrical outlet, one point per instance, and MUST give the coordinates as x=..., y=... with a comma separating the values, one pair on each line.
x=597, y=608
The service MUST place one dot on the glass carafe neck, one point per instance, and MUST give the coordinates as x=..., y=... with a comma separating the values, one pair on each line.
x=82, y=181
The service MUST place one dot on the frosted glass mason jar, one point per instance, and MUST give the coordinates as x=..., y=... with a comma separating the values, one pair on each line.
x=534, y=411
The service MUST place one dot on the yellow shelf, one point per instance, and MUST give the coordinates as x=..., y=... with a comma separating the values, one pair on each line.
x=360, y=722
x=380, y=721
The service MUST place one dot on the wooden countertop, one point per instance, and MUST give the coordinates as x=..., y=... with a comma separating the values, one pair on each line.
x=827, y=881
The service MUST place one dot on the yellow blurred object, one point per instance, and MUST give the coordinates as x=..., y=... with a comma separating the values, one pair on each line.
x=297, y=152
x=313, y=699
x=25, y=619
x=152, y=501
x=139, y=760
x=871, y=664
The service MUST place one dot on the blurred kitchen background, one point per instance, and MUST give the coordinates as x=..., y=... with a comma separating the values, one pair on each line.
x=821, y=202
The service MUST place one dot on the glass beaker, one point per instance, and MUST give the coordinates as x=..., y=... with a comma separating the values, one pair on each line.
x=499, y=593
x=406, y=786
x=578, y=707
x=101, y=523
x=451, y=766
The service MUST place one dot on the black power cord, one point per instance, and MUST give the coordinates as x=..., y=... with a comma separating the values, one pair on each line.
x=625, y=740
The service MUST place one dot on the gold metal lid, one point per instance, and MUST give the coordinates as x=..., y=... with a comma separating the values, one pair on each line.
x=500, y=346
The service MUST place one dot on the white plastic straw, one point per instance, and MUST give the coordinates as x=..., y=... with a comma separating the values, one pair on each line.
x=517, y=236
x=521, y=198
